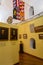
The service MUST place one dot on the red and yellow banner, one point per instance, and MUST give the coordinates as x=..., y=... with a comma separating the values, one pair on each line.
x=18, y=9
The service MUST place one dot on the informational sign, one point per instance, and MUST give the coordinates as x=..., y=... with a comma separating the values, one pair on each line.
x=38, y=28
x=40, y=36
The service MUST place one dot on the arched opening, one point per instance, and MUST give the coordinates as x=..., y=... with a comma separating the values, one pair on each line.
x=31, y=11
x=32, y=43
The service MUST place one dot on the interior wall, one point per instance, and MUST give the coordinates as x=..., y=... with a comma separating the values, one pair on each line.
x=9, y=50
x=24, y=28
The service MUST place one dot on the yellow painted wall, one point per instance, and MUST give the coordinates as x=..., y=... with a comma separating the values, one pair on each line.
x=24, y=28
x=9, y=50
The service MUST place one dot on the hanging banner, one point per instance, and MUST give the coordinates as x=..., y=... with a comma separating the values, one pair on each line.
x=17, y=3
x=18, y=9
x=14, y=13
x=21, y=7
x=15, y=8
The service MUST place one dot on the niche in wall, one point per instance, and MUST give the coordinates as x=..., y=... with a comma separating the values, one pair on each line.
x=3, y=33
x=31, y=11
x=32, y=28
x=13, y=34
x=24, y=36
x=32, y=43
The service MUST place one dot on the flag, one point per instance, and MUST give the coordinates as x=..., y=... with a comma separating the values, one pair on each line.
x=17, y=3
x=18, y=9
x=21, y=7
x=14, y=9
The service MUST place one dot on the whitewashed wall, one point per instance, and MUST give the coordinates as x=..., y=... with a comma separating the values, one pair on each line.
x=6, y=8
x=37, y=4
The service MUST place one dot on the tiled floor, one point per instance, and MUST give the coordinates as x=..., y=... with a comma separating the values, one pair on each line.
x=26, y=59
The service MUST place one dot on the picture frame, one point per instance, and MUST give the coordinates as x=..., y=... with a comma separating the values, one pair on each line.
x=20, y=36
x=25, y=36
x=13, y=34
x=41, y=36
x=4, y=33
x=32, y=28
